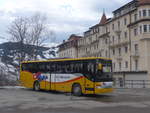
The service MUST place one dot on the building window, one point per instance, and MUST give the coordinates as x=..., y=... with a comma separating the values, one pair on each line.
x=136, y=47
x=135, y=31
x=113, y=51
x=119, y=38
x=114, y=66
x=126, y=64
x=125, y=34
x=135, y=17
x=140, y=14
x=121, y=82
x=106, y=29
x=126, y=49
x=119, y=65
x=118, y=24
x=112, y=26
x=106, y=41
x=145, y=28
x=144, y=13
x=119, y=51
x=136, y=65
x=100, y=54
x=125, y=21
x=94, y=47
x=86, y=49
x=113, y=39
x=106, y=53
x=140, y=29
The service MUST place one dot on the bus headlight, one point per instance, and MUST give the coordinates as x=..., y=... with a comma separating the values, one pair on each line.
x=105, y=85
x=98, y=87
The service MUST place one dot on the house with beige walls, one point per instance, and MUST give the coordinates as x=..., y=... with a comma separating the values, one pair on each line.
x=125, y=38
x=68, y=49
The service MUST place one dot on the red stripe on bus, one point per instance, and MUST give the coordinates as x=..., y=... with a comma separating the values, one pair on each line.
x=59, y=82
x=68, y=80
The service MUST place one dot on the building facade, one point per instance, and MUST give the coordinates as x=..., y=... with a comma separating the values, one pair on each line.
x=68, y=49
x=125, y=38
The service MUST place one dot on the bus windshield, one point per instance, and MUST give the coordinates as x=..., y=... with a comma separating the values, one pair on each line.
x=106, y=69
x=104, y=72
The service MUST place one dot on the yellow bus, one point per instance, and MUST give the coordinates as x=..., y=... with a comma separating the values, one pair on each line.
x=78, y=76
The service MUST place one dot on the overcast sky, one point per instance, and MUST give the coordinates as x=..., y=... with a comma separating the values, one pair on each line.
x=65, y=17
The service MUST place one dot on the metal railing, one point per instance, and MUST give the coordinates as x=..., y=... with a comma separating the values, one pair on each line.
x=132, y=84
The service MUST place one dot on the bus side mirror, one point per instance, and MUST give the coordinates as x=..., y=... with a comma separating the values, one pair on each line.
x=100, y=66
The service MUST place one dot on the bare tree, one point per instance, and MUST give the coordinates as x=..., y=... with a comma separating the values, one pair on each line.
x=32, y=31
x=18, y=32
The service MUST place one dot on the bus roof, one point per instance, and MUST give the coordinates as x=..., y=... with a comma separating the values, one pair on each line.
x=67, y=59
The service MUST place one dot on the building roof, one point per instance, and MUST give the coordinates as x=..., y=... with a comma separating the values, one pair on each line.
x=103, y=19
x=72, y=37
x=143, y=2
x=139, y=2
x=132, y=2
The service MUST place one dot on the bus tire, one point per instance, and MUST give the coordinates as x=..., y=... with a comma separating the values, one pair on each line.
x=76, y=90
x=36, y=86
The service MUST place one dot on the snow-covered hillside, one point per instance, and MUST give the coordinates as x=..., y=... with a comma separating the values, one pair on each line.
x=10, y=56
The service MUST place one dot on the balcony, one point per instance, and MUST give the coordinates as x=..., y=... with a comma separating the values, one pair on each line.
x=119, y=43
x=124, y=41
x=135, y=54
x=138, y=21
x=118, y=31
x=119, y=57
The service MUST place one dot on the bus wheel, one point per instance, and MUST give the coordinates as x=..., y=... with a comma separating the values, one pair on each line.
x=76, y=90
x=36, y=86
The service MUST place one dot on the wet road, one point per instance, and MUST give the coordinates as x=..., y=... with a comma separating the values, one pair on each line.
x=120, y=101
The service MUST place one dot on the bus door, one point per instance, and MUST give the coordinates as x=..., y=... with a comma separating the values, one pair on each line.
x=89, y=78
x=52, y=81
x=48, y=83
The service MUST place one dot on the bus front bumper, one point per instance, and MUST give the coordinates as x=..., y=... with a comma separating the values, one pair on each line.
x=103, y=90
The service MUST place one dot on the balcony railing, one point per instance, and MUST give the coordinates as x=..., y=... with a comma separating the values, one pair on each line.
x=119, y=57
x=120, y=42
x=135, y=54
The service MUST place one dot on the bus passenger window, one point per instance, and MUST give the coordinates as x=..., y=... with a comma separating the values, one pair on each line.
x=48, y=67
x=52, y=68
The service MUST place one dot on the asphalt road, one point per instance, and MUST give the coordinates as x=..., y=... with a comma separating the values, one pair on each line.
x=17, y=100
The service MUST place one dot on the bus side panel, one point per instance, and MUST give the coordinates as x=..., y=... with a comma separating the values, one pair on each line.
x=26, y=79
x=59, y=82
x=78, y=81
x=64, y=82
x=44, y=81
x=43, y=85
x=89, y=86
x=47, y=87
